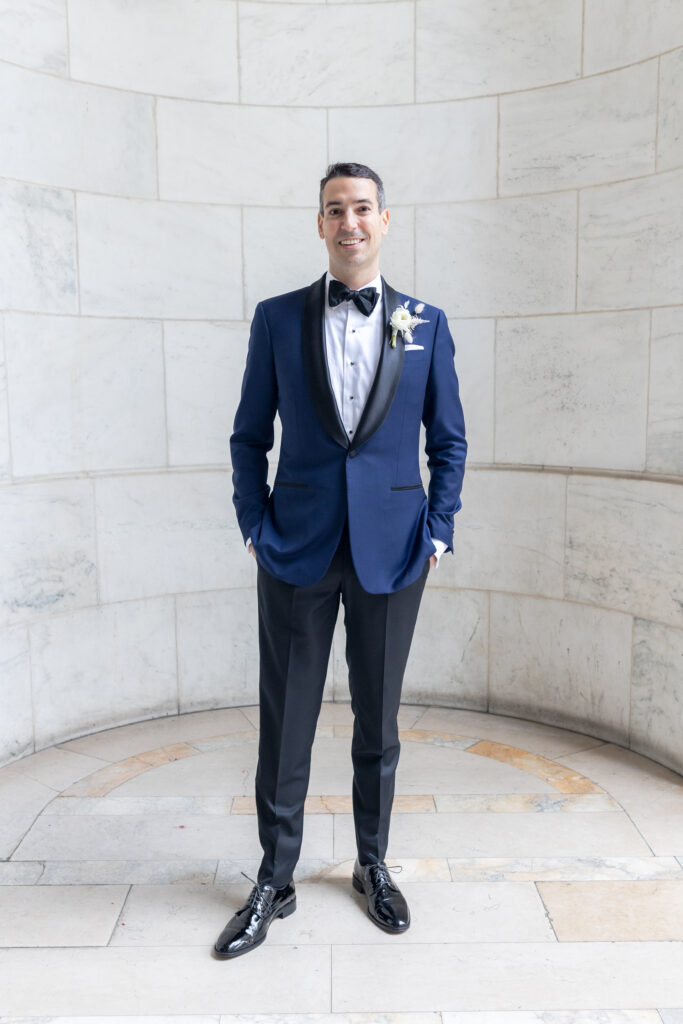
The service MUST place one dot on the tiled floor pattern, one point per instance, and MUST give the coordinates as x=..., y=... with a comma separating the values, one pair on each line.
x=543, y=869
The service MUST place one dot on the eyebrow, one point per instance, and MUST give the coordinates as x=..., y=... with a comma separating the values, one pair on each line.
x=338, y=202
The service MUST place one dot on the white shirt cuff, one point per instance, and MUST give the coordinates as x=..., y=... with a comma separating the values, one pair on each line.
x=440, y=548
x=247, y=543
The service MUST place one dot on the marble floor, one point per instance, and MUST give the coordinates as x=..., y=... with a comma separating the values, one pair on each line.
x=543, y=869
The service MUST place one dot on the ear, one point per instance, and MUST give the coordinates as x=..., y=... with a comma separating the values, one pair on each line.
x=320, y=226
x=384, y=217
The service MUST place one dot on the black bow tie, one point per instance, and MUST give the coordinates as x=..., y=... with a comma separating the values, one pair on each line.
x=365, y=299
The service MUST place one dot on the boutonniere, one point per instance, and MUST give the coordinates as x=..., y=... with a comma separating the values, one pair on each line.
x=405, y=322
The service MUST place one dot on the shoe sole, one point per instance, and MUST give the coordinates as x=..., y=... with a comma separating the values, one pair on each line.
x=285, y=912
x=358, y=885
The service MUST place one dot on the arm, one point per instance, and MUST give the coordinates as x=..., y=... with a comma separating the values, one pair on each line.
x=253, y=433
x=445, y=445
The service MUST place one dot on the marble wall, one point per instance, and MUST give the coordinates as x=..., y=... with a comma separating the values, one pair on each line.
x=159, y=165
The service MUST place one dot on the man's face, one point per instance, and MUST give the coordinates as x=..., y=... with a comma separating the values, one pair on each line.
x=352, y=228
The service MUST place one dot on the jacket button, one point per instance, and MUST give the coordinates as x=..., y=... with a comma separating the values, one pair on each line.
x=352, y=454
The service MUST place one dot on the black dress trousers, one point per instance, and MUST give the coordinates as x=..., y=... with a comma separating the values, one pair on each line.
x=296, y=626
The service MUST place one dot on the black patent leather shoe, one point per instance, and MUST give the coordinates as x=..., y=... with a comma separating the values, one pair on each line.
x=387, y=906
x=249, y=926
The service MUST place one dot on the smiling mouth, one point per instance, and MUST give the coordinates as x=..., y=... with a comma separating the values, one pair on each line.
x=350, y=243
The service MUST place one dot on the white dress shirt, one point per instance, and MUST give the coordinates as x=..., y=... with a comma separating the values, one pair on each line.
x=353, y=343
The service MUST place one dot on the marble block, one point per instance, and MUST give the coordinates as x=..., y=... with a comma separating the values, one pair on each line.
x=45, y=915
x=474, y=364
x=641, y=30
x=151, y=258
x=16, y=721
x=67, y=418
x=656, y=695
x=509, y=534
x=204, y=365
x=38, y=254
x=505, y=976
x=218, y=647
x=581, y=133
x=631, y=243
x=168, y=533
x=464, y=260
x=21, y=801
x=665, y=420
x=565, y=664
x=448, y=655
x=199, y=159
x=64, y=133
x=624, y=546
x=469, y=48
x=106, y=665
x=640, y=911
x=47, y=549
x=168, y=47
x=34, y=33
x=313, y=69
x=5, y=467
x=552, y=406
x=670, y=134
x=139, y=983
x=456, y=142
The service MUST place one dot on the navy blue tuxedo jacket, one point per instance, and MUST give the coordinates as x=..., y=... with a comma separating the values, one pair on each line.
x=322, y=476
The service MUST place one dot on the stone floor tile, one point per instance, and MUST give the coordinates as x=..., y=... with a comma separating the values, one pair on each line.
x=164, y=981
x=507, y=976
x=59, y=915
x=615, y=911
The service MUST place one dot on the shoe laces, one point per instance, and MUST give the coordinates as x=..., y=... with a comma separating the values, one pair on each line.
x=379, y=873
x=259, y=898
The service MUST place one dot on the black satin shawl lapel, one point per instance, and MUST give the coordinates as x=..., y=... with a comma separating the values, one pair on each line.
x=388, y=374
x=315, y=361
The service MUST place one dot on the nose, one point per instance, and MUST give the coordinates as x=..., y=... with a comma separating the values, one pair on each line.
x=349, y=220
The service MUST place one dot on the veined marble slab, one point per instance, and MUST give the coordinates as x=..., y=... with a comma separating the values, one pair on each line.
x=670, y=135
x=164, y=981
x=665, y=420
x=470, y=48
x=34, y=33
x=313, y=70
x=576, y=868
x=624, y=547
x=126, y=872
x=34, y=915
x=67, y=418
x=503, y=976
x=72, y=135
x=204, y=364
x=47, y=549
x=626, y=227
x=155, y=47
x=16, y=722
x=641, y=911
x=38, y=255
x=603, y=834
x=641, y=30
x=580, y=133
x=198, y=160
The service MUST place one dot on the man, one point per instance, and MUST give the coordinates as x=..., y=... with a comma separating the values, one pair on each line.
x=352, y=368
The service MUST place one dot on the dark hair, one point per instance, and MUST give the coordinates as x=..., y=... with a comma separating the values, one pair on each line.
x=351, y=170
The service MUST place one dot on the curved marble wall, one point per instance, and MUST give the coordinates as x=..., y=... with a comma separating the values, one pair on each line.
x=159, y=166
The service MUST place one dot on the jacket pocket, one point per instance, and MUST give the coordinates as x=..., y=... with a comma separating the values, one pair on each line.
x=408, y=487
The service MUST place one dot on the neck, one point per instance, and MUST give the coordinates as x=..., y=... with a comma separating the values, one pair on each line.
x=355, y=279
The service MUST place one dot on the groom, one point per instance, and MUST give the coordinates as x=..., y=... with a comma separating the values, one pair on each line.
x=352, y=367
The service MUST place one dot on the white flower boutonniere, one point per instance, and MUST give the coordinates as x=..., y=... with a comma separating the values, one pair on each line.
x=405, y=322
